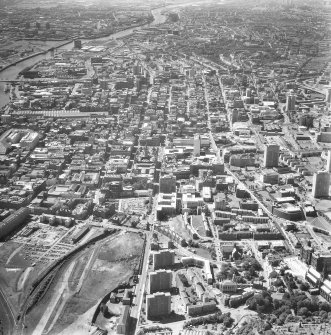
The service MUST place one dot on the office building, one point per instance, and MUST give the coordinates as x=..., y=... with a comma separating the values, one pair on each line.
x=166, y=204
x=290, y=102
x=168, y=184
x=160, y=280
x=158, y=304
x=196, y=145
x=271, y=155
x=269, y=177
x=235, y=115
x=321, y=184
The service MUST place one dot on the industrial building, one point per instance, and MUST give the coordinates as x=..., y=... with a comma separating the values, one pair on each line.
x=168, y=184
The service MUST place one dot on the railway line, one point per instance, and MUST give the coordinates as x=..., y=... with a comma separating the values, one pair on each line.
x=45, y=279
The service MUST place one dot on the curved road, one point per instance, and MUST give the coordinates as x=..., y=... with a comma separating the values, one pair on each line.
x=7, y=316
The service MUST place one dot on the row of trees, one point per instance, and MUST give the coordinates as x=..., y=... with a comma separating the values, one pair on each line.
x=280, y=310
x=218, y=317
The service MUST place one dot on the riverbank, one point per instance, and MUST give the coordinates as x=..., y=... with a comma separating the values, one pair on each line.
x=34, y=55
x=67, y=42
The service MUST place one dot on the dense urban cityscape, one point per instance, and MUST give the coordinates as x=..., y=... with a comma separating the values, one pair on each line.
x=165, y=167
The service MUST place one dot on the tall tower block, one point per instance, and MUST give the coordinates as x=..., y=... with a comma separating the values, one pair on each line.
x=290, y=102
x=196, y=145
x=321, y=184
x=328, y=162
x=271, y=156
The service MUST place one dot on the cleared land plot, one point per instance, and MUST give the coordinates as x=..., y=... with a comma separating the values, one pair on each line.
x=113, y=264
x=177, y=224
x=134, y=205
x=198, y=224
x=203, y=253
x=109, y=322
x=12, y=265
x=324, y=205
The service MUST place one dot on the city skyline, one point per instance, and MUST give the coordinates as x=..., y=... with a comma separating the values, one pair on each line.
x=165, y=167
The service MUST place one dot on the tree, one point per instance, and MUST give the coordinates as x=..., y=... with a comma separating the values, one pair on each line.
x=277, y=303
x=324, y=306
x=303, y=311
x=269, y=332
x=162, y=216
x=134, y=223
x=278, y=282
x=304, y=286
x=252, y=272
x=222, y=275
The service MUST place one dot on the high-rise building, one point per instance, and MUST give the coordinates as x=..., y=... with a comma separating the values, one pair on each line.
x=158, y=304
x=196, y=145
x=321, y=184
x=160, y=280
x=220, y=202
x=328, y=162
x=235, y=115
x=168, y=184
x=321, y=261
x=290, y=102
x=328, y=96
x=271, y=155
x=123, y=322
x=78, y=44
x=137, y=69
x=163, y=259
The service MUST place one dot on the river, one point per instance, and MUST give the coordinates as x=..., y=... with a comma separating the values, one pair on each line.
x=12, y=72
